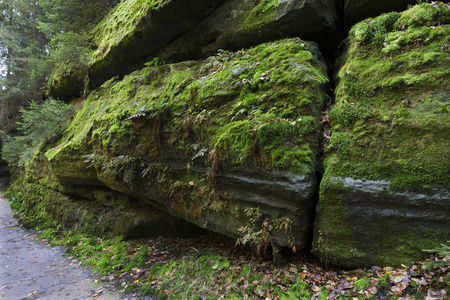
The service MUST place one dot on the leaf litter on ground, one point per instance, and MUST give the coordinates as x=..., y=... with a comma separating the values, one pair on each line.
x=212, y=267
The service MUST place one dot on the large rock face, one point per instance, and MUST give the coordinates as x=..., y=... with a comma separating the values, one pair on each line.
x=232, y=143
x=385, y=193
x=207, y=141
x=244, y=23
x=133, y=31
x=136, y=31
x=92, y=207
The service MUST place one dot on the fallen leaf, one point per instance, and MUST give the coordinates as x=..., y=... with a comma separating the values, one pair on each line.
x=315, y=288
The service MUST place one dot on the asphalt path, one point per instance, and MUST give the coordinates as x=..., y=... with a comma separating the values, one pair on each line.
x=30, y=269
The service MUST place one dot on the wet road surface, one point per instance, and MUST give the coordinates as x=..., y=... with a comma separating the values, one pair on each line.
x=30, y=269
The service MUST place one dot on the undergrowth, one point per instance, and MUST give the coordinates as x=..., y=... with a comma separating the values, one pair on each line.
x=142, y=266
x=38, y=123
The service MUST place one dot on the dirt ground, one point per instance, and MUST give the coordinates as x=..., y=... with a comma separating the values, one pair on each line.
x=30, y=269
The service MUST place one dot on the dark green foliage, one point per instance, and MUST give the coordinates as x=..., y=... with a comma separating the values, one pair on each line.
x=21, y=45
x=36, y=36
x=443, y=255
x=66, y=24
x=38, y=123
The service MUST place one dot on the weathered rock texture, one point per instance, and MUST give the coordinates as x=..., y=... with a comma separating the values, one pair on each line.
x=91, y=208
x=137, y=31
x=385, y=193
x=134, y=30
x=243, y=23
x=220, y=141
x=206, y=140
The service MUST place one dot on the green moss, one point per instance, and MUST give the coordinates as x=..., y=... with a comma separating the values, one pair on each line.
x=424, y=14
x=67, y=80
x=33, y=191
x=382, y=283
x=167, y=130
x=340, y=143
x=387, y=125
x=347, y=114
x=263, y=10
x=362, y=284
x=392, y=91
x=123, y=21
x=246, y=117
x=333, y=237
x=383, y=241
x=374, y=29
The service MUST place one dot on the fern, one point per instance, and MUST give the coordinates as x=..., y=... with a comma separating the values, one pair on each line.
x=442, y=257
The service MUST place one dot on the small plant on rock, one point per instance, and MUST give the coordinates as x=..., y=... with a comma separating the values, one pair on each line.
x=263, y=238
x=442, y=258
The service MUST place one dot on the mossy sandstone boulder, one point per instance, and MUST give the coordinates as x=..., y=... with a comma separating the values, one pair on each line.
x=385, y=193
x=243, y=23
x=131, y=32
x=92, y=209
x=177, y=30
x=212, y=142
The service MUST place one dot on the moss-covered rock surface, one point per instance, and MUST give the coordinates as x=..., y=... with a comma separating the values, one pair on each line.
x=234, y=143
x=385, y=193
x=89, y=209
x=121, y=42
x=206, y=141
x=176, y=30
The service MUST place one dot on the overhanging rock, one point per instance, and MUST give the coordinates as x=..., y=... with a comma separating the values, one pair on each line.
x=137, y=31
x=243, y=23
x=211, y=142
x=132, y=31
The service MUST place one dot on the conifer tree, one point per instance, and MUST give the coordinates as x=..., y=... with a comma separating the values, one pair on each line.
x=20, y=42
x=35, y=36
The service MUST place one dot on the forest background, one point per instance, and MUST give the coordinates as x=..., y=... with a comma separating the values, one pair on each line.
x=36, y=36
